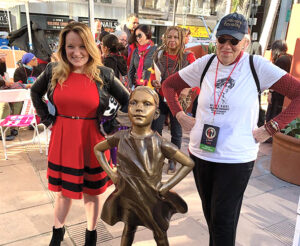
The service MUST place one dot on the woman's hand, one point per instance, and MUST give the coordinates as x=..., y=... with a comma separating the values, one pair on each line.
x=186, y=122
x=260, y=134
x=114, y=176
x=9, y=83
x=156, y=84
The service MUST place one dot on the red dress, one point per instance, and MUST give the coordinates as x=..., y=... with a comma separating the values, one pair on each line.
x=72, y=165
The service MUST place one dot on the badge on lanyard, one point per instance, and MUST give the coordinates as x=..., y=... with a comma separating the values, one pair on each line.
x=209, y=138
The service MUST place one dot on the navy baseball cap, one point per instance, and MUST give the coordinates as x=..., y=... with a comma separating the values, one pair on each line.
x=234, y=25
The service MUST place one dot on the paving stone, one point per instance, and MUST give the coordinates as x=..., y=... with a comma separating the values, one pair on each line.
x=272, y=207
x=20, y=188
x=25, y=223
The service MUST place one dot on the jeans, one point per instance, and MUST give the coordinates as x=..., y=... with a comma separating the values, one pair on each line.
x=221, y=187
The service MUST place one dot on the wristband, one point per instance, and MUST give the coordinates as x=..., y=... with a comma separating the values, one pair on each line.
x=272, y=127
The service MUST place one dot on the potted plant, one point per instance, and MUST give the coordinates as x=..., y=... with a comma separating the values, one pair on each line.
x=285, y=161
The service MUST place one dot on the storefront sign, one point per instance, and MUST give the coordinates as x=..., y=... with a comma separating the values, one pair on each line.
x=198, y=31
x=3, y=19
x=108, y=24
x=56, y=23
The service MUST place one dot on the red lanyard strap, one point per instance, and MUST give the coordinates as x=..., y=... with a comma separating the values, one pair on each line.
x=217, y=103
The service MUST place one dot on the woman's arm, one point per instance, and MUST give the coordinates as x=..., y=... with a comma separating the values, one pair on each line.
x=132, y=70
x=172, y=87
x=38, y=90
x=119, y=92
x=288, y=86
x=99, y=152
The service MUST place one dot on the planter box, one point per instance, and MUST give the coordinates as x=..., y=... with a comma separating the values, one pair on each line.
x=285, y=162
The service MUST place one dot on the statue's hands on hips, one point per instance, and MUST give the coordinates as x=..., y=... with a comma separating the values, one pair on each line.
x=162, y=188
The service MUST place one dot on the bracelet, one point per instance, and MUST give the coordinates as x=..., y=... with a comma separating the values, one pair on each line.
x=272, y=127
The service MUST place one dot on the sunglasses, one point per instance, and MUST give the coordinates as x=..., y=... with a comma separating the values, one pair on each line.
x=233, y=41
x=139, y=35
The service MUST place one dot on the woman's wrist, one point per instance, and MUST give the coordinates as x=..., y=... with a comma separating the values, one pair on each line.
x=272, y=127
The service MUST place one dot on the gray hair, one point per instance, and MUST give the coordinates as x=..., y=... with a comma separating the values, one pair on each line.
x=119, y=33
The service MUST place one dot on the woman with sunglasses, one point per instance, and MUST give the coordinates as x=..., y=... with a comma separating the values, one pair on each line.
x=224, y=138
x=169, y=59
x=141, y=60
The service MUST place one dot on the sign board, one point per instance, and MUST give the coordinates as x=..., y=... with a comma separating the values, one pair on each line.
x=198, y=31
x=109, y=25
x=56, y=23
x=252, y=21
x=3, y=19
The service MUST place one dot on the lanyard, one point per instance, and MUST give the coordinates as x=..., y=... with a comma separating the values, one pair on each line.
x=173, y=68
x=215, y=87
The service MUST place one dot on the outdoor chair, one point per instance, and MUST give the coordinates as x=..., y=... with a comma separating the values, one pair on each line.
x=25, y=119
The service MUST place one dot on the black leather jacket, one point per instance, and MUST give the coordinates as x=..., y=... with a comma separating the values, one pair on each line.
x=111, y=87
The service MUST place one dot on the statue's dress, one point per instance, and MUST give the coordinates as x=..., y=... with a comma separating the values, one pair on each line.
x=136, y=200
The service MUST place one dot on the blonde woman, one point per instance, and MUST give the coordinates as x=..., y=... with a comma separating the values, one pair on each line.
x=79, y=87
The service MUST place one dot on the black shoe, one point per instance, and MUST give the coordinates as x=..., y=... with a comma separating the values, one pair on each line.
x=14, y=132
x=8, y=138
x=90, y=238
x=57, y=236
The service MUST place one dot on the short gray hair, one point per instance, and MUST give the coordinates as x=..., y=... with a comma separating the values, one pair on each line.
x=119, y=33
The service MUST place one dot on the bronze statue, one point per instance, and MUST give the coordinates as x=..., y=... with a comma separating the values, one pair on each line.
x=140, y=198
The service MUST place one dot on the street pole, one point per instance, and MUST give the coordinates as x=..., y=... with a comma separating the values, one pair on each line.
x=267, y=29
x=174, y=11
x=92, y=16
x=136, y=7
x=28, y=26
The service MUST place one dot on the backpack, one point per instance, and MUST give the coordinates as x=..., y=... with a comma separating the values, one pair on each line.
x=261, y=117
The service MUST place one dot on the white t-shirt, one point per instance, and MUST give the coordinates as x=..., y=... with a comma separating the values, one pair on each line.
x=237, y=112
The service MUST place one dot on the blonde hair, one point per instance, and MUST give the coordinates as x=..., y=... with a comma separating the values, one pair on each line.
x=181, y=36
x=147, y=90
x=64, y=67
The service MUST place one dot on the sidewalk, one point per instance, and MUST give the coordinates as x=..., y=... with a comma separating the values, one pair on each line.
x=267, y=218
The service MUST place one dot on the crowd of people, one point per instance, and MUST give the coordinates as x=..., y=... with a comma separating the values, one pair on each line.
x=224, y=136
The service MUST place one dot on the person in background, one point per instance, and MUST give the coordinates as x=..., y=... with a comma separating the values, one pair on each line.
x=112, y=58
x=169, y=59
x=224, y=137
x=7, y=108
x=28, y=71
x=138, y=73
x=131, y=25
x=111, y=55
x=128, y=28
x=122, y=36
x=79, y=87
x=283, y=60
